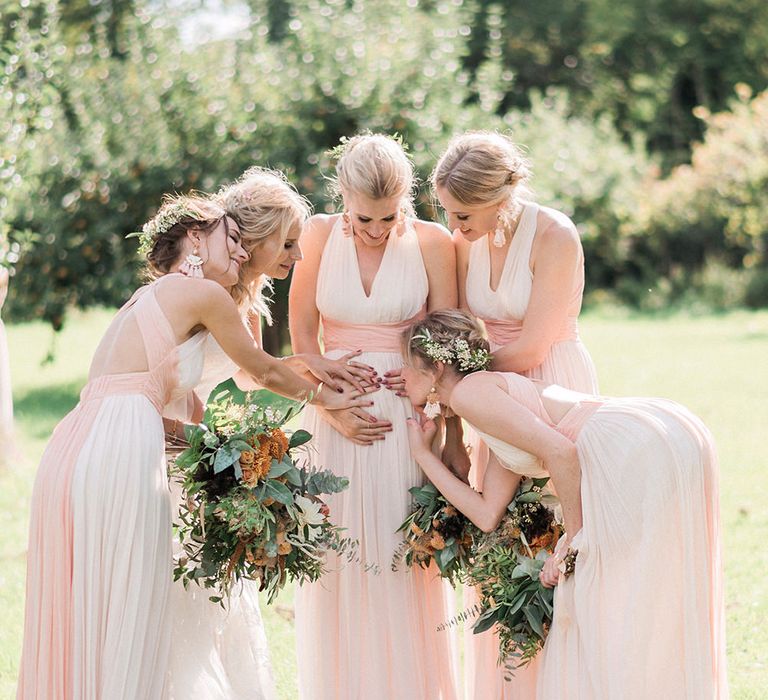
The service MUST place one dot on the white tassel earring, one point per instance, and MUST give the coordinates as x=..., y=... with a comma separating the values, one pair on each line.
x=192, y=265
x=499, y=239
x=432, y=407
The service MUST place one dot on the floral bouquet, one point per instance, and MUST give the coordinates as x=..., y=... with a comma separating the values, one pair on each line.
x=505, y=567
x=247, y=510
x=435, y=530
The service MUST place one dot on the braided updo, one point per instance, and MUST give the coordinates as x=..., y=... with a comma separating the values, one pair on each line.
x=445, y=330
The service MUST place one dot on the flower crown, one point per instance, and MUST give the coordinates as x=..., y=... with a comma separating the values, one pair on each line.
x=456, y=350
x=168, y=216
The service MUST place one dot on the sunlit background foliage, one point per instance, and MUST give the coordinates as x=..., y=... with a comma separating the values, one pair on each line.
x=644, y=119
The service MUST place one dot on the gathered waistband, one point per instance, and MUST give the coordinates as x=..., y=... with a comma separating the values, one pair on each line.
x=501, y=332
x=369, y=337
x=137, y=383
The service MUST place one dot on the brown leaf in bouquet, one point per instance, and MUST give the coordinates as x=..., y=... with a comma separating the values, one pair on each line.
x=436, y=541
x=416, y=529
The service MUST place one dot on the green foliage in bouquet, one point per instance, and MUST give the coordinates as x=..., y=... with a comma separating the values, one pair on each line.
x=248, y=511
x=435, y=530
x=505, y=567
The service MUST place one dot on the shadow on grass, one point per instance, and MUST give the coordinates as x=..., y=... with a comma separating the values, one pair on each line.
x=39, y=410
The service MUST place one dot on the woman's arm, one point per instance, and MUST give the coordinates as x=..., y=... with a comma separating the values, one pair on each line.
x=303, y=315
x=461, y=247
x=481, y=400
x=244, y=380
x=557, y=260
x=455, y=454
x=192, y=303
x=484, y=509
x=440, y=263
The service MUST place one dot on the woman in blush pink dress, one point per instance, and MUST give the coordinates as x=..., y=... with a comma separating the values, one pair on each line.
x=97, y=616
x=642, y=616
x=366, y=274
x=520, y=270
x=220, y=654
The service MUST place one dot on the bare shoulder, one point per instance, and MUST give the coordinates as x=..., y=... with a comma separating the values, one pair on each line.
x=191, y=292
x=555, y=230
x=459, y=241
x=317, y=229
x=464, y=397
x=432, y=236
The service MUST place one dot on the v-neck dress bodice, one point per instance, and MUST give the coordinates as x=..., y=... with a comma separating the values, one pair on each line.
x=399, y=290
x=503, y=310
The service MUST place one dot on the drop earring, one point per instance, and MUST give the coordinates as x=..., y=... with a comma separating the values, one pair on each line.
x=499, y=239
x=192, y=265
x=346, y=224
x=432, y=407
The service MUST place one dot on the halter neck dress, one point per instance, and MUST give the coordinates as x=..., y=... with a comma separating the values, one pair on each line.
x=363, y=630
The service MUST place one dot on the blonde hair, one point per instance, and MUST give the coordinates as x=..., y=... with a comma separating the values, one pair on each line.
x=376, y=166
x=482, y=168
x=444, y=328
x=263, y=203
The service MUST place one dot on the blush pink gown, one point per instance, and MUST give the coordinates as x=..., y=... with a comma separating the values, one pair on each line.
x=99, y=572
x=567, y=364
x=215, y=653
x=372, y=634
x=643, y=615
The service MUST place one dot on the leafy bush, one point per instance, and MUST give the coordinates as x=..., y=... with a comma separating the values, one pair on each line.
x=103, y=109
x=713, y=211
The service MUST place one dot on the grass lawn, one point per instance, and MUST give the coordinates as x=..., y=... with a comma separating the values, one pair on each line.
x=716, y=365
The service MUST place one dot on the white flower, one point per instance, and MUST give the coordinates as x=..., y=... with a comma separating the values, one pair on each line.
x=270, y=414
x=309, y=511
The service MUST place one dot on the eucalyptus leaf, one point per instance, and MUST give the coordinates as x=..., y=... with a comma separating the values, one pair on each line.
x=280, y=468
x=279, y=491
x=299, y=438
x=226, y=456
x=484, y=622
x=533, y=615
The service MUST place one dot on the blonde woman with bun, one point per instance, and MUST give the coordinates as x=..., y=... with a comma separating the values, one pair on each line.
x=642, y=615
x=99, y=564
x=521, y=270
x=365, y=631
